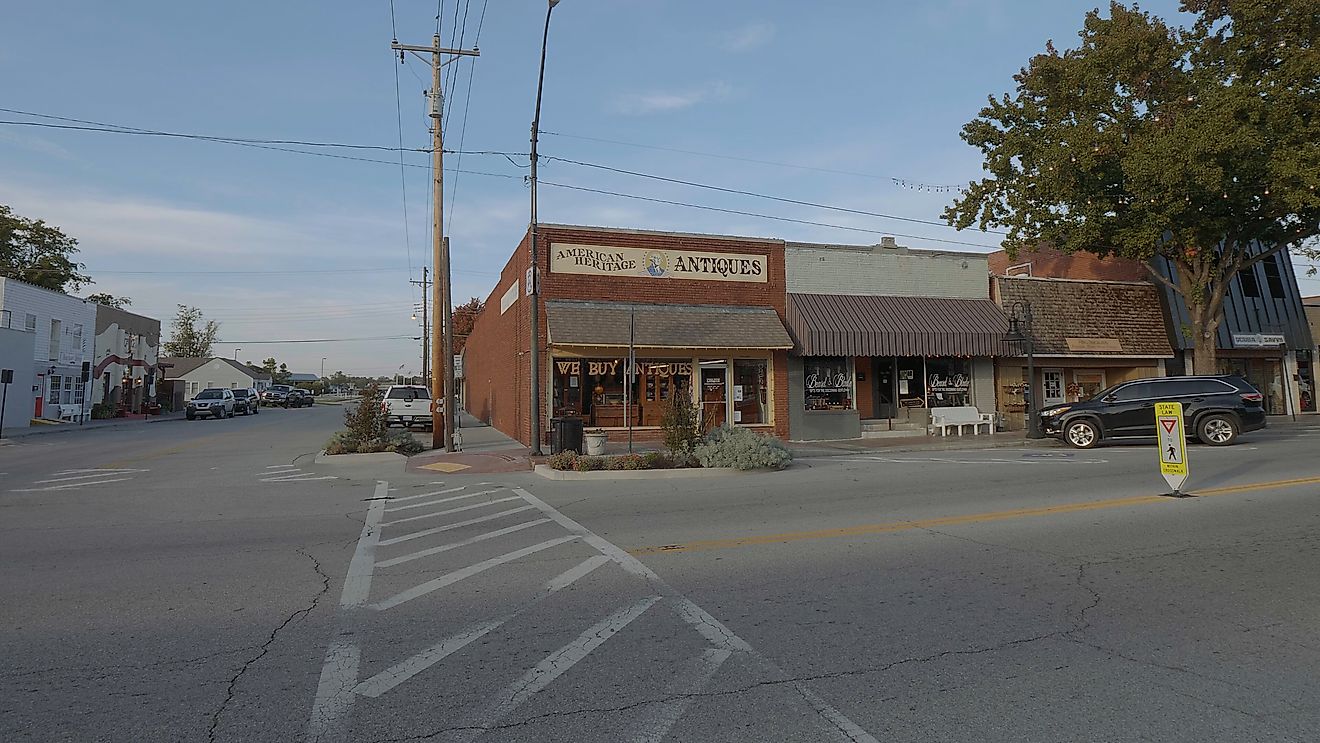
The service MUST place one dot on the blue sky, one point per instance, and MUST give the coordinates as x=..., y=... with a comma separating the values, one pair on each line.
x=877, y=89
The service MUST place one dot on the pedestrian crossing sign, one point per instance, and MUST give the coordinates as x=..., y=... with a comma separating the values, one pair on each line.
x=1172, y=443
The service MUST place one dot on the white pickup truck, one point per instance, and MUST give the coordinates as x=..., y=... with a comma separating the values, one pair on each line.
x=406, y=405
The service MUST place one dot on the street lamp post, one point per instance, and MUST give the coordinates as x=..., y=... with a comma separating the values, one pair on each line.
x=1021, y=332
x=323, y=358
x=534, y=290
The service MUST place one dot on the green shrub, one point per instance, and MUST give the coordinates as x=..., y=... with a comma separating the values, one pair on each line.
x=589, y=464
x=654, y=460
x=366, y=420
x=564, y=460
x=103, y=410
x=342, y=442
x=681, y=422
x=743, y=449
x=402, y=442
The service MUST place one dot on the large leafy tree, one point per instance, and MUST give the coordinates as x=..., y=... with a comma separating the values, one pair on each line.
x=465, y=317
x=110, y=300
x=191, y=336
x=38, y=253
x=1201, y=145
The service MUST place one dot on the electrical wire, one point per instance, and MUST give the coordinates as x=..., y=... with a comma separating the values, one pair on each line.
x=326, y=340
x=467, y=106
x=762, y=216
x=741, y=192
x=403, y=172
x=736, y=158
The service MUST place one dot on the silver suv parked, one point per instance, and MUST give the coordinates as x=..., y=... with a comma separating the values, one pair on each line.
x=215, y=402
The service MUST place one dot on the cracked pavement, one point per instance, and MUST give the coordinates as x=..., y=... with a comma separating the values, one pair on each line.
x=197, y=604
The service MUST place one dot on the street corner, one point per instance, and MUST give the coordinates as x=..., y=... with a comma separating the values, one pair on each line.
x=486, y=462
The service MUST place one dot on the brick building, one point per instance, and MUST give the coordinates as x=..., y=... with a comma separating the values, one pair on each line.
x=703, y=316
x=1263, y=334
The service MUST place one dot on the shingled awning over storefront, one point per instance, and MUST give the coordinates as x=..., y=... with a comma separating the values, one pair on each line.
x=1122, y=319
x=846, y=325
x=665, y=325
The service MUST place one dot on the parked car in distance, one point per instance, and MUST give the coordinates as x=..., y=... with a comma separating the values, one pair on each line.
x=406, y=405
x=1216, y=409
x=300, y=398
x=246, y=401
x=277, y=394
x=212, y=401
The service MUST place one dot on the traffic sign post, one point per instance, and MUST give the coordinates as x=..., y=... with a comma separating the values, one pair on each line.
x=1173, y=444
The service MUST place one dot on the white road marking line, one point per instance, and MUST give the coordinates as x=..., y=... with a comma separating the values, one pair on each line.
x=401, y=672
x=427, y=495
x=334, y=692
x=448, y=579
x=301, y=478
x=70, y=485
x=653, y=727
x=442, y=500
x=99, y=469
x=459, y=525
x=280, y=466
x=455, y=545
x=706, y=625
x=451, y=510
x=553, y=666
x=102, y=473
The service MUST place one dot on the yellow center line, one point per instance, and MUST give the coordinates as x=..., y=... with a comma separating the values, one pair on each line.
x=971, y=518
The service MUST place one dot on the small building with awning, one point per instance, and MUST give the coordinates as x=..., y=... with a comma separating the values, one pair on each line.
x=883, y=334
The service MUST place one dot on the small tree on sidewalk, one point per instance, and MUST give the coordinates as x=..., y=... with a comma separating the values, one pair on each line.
x=682, y=426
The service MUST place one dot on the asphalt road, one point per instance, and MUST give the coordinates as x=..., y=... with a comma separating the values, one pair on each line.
x=206, y=581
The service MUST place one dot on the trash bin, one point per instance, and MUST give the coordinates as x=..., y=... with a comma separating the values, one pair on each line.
x=565, y=435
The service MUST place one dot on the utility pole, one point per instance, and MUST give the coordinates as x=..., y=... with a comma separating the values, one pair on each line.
x=442, y=354
x=426, y=329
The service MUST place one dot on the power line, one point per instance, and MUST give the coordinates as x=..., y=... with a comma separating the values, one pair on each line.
x=403, y=173
x=763, y=216
x=741, y=192
x=326, y=340
x=736, y=158
x=467, y=106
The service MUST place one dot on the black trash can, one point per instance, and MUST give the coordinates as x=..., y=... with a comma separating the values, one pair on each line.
x=565, y=435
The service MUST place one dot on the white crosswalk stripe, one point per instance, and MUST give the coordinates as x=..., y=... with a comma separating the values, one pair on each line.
x=75, y=479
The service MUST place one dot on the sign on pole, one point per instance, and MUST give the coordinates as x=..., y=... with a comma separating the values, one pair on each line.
x=1173, y=444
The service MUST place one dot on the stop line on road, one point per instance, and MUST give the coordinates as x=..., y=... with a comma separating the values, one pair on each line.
x=340, y=686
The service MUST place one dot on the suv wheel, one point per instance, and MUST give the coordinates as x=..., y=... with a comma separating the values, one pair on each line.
x=1217, y=430
x=1081, y=434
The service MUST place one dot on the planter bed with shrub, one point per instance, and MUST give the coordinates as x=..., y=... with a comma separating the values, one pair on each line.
x=726, y=449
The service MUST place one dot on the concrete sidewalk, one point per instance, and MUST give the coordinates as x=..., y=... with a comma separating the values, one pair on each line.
x=91, y=425
x=484, y=450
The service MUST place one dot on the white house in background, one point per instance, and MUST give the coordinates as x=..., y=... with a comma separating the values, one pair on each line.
x=303, y=378
x=63, y=328
x=197, y=374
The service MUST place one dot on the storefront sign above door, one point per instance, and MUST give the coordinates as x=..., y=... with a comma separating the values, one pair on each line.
x=599, y=260
x=1093, y=345
x=1257, y=340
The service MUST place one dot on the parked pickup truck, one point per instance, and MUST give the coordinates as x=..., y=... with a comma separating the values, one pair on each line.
x=407, y=405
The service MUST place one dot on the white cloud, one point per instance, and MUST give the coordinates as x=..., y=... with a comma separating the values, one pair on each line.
x=754, y=35
x=653, y=102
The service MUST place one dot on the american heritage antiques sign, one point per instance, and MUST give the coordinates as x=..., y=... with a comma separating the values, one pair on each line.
x=599, y=260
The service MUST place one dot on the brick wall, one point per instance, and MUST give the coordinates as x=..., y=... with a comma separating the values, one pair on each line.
x=497, y=367
x=1050, y=263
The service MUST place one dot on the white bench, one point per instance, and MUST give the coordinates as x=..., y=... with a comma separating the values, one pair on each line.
x=966, y=415
x=70, y=412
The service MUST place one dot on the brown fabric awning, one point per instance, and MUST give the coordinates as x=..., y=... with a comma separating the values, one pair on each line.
x=664, y=325
x=846, y=325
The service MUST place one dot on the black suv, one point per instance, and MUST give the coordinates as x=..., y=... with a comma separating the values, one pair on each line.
x=1215, y=409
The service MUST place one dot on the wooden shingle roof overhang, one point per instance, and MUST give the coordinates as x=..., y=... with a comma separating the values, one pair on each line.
x=676, y=326
x=849, y=325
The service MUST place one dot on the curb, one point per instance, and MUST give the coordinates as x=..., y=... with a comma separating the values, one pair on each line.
x=383, y=457
x=544, y=470
x=45, y=430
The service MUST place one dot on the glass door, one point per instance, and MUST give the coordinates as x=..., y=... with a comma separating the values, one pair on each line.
x=1053, y=387
x=714, y=397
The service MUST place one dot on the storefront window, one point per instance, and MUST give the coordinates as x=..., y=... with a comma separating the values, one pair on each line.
x=827, y=383
x=595, y=389
x=949, y=382
x=1305, y=385
x=911, y=382
x=749, y=391
x=1265, y=375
